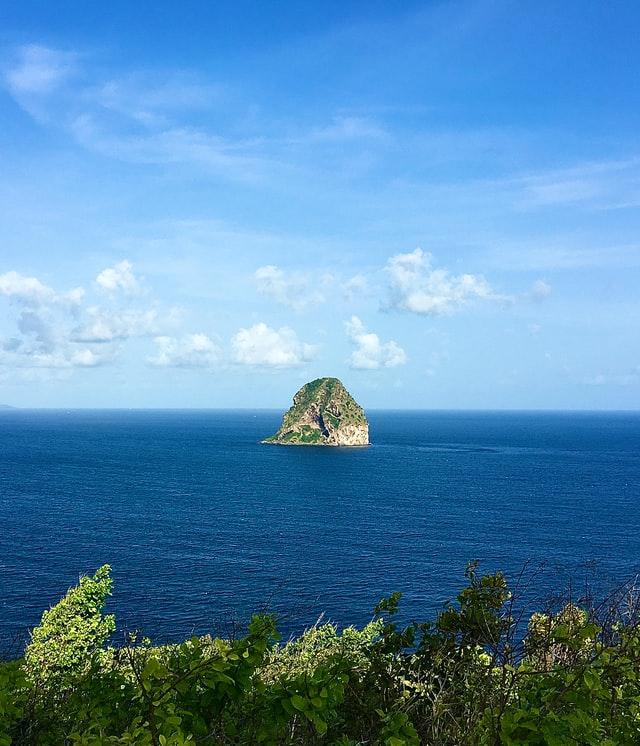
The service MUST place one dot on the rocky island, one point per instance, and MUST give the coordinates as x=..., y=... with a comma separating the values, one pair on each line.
x=323, y=414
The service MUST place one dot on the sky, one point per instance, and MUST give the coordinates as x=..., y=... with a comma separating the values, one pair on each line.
x=208, y=204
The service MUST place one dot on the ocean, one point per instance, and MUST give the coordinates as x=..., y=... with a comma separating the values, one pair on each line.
x=203, y=525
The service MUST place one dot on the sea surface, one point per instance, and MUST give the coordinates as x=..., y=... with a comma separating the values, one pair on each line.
x=203, y=525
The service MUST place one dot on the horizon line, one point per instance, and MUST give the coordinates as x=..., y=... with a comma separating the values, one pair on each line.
x=14, y=408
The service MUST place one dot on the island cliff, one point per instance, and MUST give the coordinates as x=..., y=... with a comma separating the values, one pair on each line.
x=323, y=414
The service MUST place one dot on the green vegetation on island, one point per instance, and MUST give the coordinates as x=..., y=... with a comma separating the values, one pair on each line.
x=472, y=676
x=323, y=413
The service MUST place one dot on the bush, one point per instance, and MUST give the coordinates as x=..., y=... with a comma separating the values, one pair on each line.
x=466, y=677
x=63, y=647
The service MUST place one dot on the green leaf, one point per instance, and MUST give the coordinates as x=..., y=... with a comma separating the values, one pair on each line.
x=299, y=702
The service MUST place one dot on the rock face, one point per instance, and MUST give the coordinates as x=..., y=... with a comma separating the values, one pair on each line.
x=323, y=414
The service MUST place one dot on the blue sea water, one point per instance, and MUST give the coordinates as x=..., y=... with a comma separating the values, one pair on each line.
x=202, y=524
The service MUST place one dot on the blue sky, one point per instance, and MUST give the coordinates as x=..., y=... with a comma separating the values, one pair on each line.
x=206, y=204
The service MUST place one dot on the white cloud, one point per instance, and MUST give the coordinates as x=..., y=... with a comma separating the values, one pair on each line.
x=172, y=146
x=596, y=183
x=150, y=99
x=26, y=289
x=560, y=192
x=33, y=324
x=370, y=353
x=99, y=113
x=66, y=357
x=45, y=342
x=355, y=287
x=73, y=297
x=38, y=70
x=85, y=358
x=416, y=287
x=44, y=339
x=190, y=351
x=274, y=348
x=120, y=277
x=540, y=290
x=55, y=330
x=290, y=289
x=32, y=292
x=106, y=326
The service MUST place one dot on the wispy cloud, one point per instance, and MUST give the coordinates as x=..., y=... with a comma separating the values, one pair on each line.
x=540, y=290
x=591, y=184
x=297, y=290
x=174, y=145
x=344, y=128
x=139, y=119
x=39, y=70
x=562, y=254
x=154, y=100
x=631, y=378
x=145, y=117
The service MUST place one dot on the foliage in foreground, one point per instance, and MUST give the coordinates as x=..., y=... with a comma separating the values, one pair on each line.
x=468, y=677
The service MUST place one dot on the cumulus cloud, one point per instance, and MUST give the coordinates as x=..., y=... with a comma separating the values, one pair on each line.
x=120, y=277
x=260, y=345
x=415, y=286
x=11, y=345
x=290, y=289
x=43, y=340
x=68, y=356
x=105, y=325
x=33, y=324
x=43, y=326
x=33, y=292
x=84, y=358
x=26, y=289
x=190, y=351
x=355, y=287
x=370, y=353
x=56, y=330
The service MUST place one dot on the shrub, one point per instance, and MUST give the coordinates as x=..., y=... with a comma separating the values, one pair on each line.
x=63, y=647
x=466, y=677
